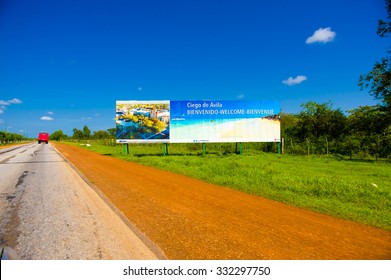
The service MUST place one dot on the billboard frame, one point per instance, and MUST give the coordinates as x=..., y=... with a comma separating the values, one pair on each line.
x=197, y=121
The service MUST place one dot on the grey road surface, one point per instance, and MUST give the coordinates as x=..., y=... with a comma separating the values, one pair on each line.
x=49, y=212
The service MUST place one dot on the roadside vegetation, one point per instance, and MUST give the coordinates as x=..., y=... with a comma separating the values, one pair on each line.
x=357, y=190
x=11, y=138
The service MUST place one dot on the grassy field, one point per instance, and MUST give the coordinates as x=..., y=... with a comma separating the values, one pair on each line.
x=354, y=190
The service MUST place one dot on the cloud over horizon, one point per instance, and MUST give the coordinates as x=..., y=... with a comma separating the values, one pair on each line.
x=4, y=103
x=322, y=35
x=12, y=101
x=295, y=81
x=46, y=118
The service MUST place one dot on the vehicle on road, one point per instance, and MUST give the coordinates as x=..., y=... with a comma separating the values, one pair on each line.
x=43, y=137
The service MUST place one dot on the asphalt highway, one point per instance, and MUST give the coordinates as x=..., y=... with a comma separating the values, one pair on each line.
x=49, y=212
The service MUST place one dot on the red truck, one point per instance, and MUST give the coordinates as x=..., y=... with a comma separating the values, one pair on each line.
x=43, y=137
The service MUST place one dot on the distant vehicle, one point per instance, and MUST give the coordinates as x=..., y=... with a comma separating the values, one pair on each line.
x=43, y=137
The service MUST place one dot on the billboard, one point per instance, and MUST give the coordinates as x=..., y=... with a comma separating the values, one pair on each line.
x=198, y=121
x=142, y=121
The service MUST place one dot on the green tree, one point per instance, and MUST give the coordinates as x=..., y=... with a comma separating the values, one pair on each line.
x=289, y=129
x=378, y=80
x=112, y=131
x=367, y=124
x=9, y=137
x=384, y=27
x=320, y=120
x=288, y=125
x=319, y=126
x=2, y=137
x=58, y=135
x=101, y=134
x=86, y=132
x=77, y=134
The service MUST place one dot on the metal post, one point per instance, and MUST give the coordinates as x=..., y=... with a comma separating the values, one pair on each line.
x=279, y=148
x=241, y=148
x=165, y=149
x=203, y=149
x=126, y=148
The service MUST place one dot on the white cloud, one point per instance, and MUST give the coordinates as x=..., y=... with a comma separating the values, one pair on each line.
x=15, y=101
x=50, y=113
x=240, y=96
x=295, y=81
x=322, y=35
x=4, y=103
x=9, y=102
x=46, y=118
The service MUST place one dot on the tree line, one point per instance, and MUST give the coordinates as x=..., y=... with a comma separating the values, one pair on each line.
x=320, y=129
x=84, y=134
x=317, y=129
x=9, y=137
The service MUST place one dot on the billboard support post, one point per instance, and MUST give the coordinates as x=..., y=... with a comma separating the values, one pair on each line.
x=165, y=149
x=203, y=149
x=279, y=148
x=240, y=148
x=126, y=148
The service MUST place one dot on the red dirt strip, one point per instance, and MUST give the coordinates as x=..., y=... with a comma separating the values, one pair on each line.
x=191, y=219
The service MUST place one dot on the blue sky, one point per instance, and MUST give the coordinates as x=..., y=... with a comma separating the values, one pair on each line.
x=63, y=64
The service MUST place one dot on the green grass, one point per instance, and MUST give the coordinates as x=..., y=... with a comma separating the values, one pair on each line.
x=352, y=190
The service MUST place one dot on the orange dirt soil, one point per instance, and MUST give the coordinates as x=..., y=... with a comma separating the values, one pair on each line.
x=191, y=219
